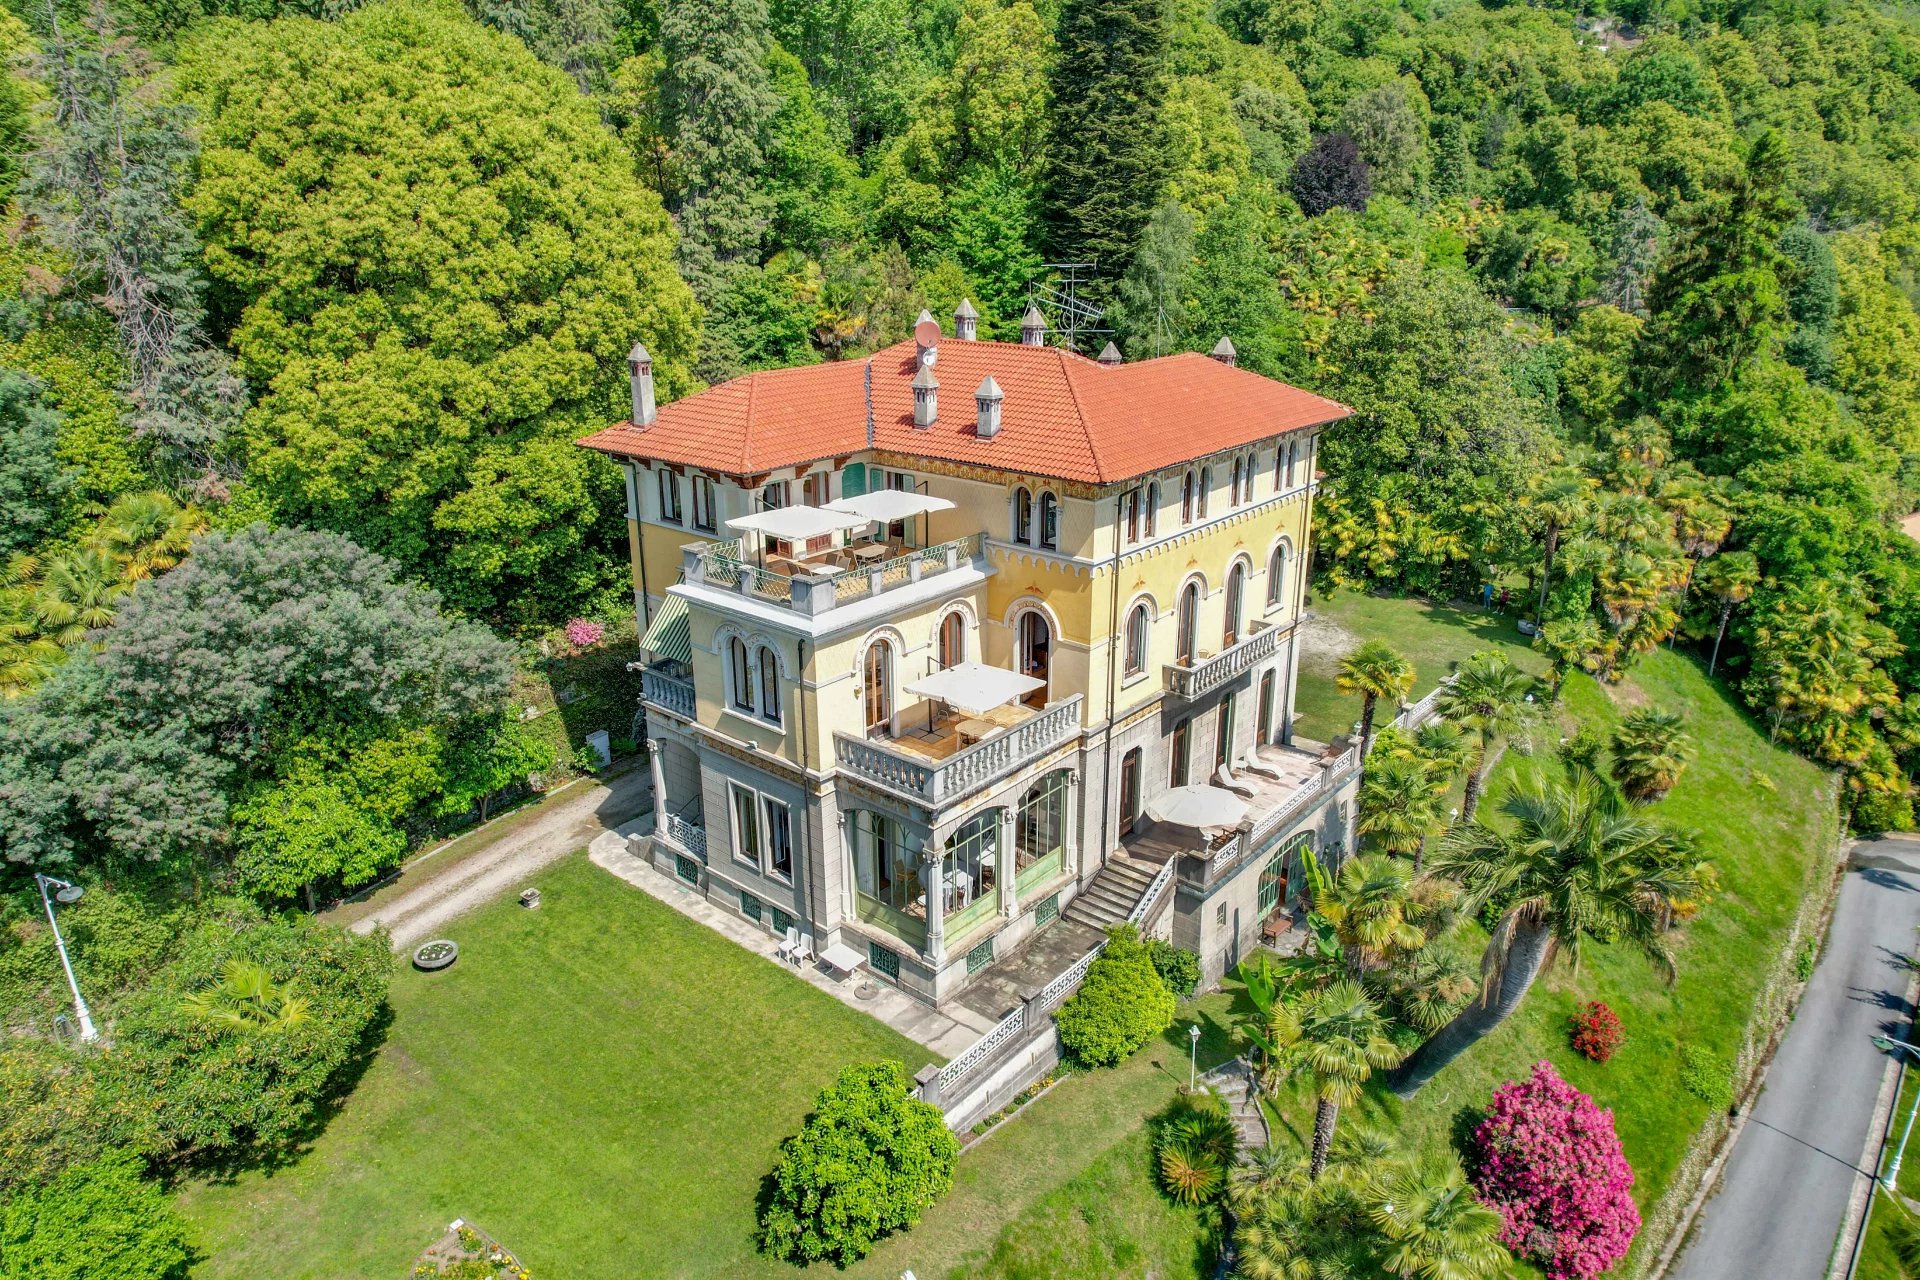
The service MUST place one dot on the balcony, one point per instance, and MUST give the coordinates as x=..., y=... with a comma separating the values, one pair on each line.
x=828, y=580
x=1304, y=781
x=671, y=695
x=1208, y=672
x=938, y=767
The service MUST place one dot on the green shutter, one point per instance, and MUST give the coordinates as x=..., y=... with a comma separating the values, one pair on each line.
x=749, y=906
x=980, y=957
x=853, y=479
x=884, y=961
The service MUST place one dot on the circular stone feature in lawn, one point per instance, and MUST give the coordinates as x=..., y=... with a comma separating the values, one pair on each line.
x=437, y=954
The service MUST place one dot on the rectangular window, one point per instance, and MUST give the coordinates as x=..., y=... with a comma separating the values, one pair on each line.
x=686, y=868
x=749, y=906
x=1047, y=912
x=746, y=824
x=980, y=957
x=781, y=921
x=669, y=497
x=1129, y=791
x=1178, y=754
x=779, y=839
x=1223, y=740
x=774, y=496
x=705, y=516
x=886, y=873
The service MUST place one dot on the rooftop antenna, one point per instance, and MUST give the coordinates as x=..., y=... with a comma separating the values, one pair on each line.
x=1057, y=294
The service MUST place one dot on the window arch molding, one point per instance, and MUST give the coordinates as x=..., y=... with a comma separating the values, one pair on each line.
x=1279, y=570
x=1137, y=633
x=1020, y=514
x=1234, y=606
x=969, y=628
x=752, y=683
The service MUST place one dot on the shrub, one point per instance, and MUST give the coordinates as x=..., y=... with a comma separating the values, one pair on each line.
x=1596, y=1030
x=1177, y=967
x=1706, y=1076
x=96, y=1221
x=1120, y=1006
x=582, y=634
x=869, y=1161
x=1547, y=1159
x=1194, y=1147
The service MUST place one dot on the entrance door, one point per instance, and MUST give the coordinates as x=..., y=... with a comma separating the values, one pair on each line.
x=1036, y=653
x=877, y=687
x=953, y=640
x=1129, y=790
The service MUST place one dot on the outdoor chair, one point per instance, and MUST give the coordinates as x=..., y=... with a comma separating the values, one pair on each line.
x=1223, y=777
x=1252, y=763
x=790, y=947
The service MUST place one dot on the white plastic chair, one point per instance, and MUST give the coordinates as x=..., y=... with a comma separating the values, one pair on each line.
x=789, y=948
x=1252, y=763
x=1223, y=778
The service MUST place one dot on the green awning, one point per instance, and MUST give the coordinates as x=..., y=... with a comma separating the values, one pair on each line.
x=669, y=637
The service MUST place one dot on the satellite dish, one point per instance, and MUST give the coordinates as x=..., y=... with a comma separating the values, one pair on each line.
x=930, y=357
x=72, y=893
x=927, y=333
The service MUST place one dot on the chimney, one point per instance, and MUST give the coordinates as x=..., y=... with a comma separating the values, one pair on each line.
x=640, y=371
x=1223, y=352
x=926, y=397
x=987, y=400
x=1109, y=355
x=966, y=321
x=1033, y=327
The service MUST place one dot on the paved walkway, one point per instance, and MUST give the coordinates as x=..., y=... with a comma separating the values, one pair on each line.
x=564, y=826
x=1802, y=1159
x=946, y=1032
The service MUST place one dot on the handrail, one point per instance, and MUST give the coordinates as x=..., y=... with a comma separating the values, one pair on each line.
x=1251, y=838
x=722, y=564
x=1193, y=681
x=1151, y=897
x=689, y=836
x=964, y=772
x=982, y=1049
x=668, y=693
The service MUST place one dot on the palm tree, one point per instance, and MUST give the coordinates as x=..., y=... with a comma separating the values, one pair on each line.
x=1650, y=752
x=248, y=998
x=147, y=533
x=78, y=594
x=26, y=657
x=1402, y=803
x=1572, y=861
x=1339, y=1036
x=1431, y=1224
x=1730, y=578
x=1561, y=499
x=1375, y=670
x=1195, y=1150
x=1488, y=698
x=1369, y=910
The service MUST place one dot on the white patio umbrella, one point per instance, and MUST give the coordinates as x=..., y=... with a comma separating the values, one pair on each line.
x=796, y=524
x=1197, y=806
x=887, y=505
x=974, y=687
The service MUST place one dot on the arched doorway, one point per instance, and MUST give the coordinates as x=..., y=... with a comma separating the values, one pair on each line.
x=1189, y=620
x=953, y=640
x=877, y=686
x=1236, y=589
x=1036, y=653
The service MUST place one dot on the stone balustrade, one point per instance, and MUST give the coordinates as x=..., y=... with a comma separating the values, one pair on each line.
x=671, y=695
x=965, y=772
x=1206, y=674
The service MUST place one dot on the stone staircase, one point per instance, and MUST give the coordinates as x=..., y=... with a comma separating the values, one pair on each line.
x=1233, y=1081
x=1110, y=896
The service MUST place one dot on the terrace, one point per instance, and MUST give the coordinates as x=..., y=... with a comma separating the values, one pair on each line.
x=955, y=754
x=1208, y=671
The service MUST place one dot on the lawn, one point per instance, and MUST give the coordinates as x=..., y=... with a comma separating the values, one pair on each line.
x=1435, y=637
x=1879, y=1259
x=1765, y=818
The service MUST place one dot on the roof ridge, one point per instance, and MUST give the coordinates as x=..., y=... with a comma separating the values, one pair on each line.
x=1080, y=413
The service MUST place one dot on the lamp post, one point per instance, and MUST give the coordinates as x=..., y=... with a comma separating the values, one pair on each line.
x=65, y=892
x=1193, y=1054
x=1887, y=1044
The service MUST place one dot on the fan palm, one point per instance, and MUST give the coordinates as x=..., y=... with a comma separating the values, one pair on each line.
x=1572, y=861
x=248, y=998
x=1489, y=697
x=147, y=533
x=1650, y=752
x=1196, y=1151
x=1402, y=803
x=1562, y=498
x=1432, y=1226
x=1375, y=670
x=77, y=594
x=1369, y=908
x=1339, y=1036
x=26, y=657
x=1730, y=578
x=1304, y=1229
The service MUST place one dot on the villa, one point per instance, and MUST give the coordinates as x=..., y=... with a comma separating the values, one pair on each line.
x=931, y=636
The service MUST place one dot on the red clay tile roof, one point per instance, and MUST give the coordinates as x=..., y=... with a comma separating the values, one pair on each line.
x=1063, y=416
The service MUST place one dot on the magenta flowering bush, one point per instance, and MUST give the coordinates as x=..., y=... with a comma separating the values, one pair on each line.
x=582, y=634
x=1547, y=1159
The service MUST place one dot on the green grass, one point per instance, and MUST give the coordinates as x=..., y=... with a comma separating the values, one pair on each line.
x=1879, y=1260
x=601, y=1084
x=1762, y=815
x=1435, y=637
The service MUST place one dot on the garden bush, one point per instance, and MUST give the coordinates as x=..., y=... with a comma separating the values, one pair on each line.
x=1177, y=967
x=1122, y=1004
x=97, y=1221
x=1194, y=1147
x=869, y=1161
x=1547, y=1159
x=1596, y=1031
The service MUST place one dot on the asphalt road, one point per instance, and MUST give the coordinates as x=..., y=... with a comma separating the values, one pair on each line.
x=1796, y=1165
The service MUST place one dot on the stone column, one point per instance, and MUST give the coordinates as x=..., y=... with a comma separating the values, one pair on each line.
x=659, y=773
x=934, y=882
x=1006, y=866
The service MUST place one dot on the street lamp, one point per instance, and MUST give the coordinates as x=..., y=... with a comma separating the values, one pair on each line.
x=66, y=893
x=1887, y=1044
x=1193, y=1054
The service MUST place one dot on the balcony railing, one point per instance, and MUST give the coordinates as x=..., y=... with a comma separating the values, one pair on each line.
x=965, y=772
x=690, y=836
x=1261, y=831
x=669, y=694
x=1207, y=674
x=719, y=564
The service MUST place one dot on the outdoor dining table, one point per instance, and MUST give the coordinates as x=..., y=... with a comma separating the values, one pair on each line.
x=867, y=553
x=974, y=730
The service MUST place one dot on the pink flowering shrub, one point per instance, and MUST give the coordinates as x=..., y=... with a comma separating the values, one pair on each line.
x=1547, y=1159
x=582, y=634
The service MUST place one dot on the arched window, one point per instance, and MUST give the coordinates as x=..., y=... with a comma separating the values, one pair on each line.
x=877, y=686
x=1277, y=575
x=769, y=684
x=1023, y=516
x=1040, y=828
x=1036, y=653
x=1049, y=521
x=1189, y=623
x=741, y=671
x=1206, y=484
x=1137, y=640
x=1280, y=468
x=1153, y=506
x=1236, y=588
x=1233, y=493
x=1186, y=498
x=953, y=639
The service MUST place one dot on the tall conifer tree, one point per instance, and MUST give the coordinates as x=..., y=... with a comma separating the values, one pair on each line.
x=1108, y=157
